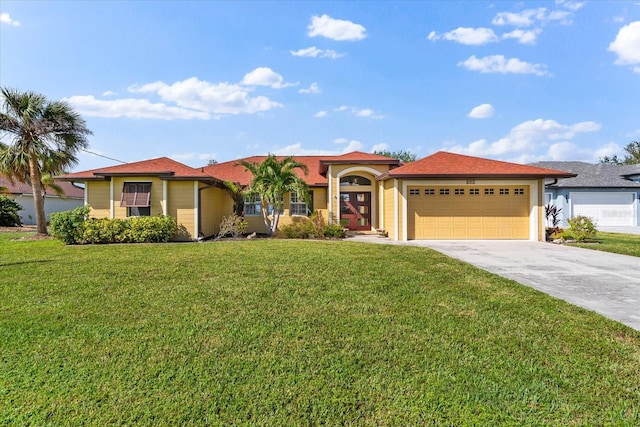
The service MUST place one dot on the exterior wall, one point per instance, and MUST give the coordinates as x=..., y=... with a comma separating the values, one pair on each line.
x=97, y=194
x=52, y=204
x=367, y=171
x=180, y=205
x=389, y=208
x=214, y=204
x=256, y=223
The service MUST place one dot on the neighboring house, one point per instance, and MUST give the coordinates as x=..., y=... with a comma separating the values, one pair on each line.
x=605, y=192
x=23, y=194
x=442, y=196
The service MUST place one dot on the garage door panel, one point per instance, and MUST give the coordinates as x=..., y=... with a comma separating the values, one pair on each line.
x=446, y=212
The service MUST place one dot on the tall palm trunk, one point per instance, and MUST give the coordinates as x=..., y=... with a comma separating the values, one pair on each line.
x=38, y=194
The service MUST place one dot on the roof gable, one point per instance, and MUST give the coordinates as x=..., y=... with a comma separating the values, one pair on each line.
x=163, y=167
x=16, y=187
x=451, y=165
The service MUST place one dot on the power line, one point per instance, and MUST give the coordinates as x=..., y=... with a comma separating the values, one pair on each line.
x=100, y=155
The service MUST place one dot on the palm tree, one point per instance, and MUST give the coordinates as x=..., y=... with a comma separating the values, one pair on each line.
x=272, y=179
x=44, y=139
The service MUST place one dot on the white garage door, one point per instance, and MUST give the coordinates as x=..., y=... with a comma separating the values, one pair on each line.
x=607, y=209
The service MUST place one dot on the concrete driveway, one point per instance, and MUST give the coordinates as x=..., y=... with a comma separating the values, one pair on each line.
x=606, y=283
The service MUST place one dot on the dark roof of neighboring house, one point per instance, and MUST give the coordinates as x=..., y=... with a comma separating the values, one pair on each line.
x=450, y=165
x=317, y=165
x=163, y=167
x=16, y=187
x=599, y=175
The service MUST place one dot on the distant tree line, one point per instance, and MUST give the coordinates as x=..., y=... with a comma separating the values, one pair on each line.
x=402, y=155
x=631, y=157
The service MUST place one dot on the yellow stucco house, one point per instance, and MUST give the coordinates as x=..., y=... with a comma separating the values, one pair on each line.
x=442, y=196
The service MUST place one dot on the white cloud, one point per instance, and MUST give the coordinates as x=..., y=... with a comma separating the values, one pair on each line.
x=265, y=76
x=482, y=111
x=298, y=150
x=314, y=88
x=314, y=52
x=379, y=147
x=467, y=36
x=500, y=64
x=5, y=18
x=529, y=17
x=320, y=114
x=525, y=140
x=132, y=108
x=218, y=98
x=627, y=45
x=360, y=112
x=609, y=150
x=523, y=36
x=335, y=29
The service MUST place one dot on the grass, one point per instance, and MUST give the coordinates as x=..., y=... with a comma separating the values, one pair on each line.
x=619, y=243
x=234, y=333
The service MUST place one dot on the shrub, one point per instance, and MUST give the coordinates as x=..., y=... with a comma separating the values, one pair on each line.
x=68, y=226
x=581, y=228
x=335, y=231
x=232, y=225
x=104, y=230
x=150, y=229
x=9, y=212
x=75, y=227
x=301, y=229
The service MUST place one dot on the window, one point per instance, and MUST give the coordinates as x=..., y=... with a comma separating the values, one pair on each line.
x=252, y=206
x=444, y=191
x=414, y=192
x=488, y=191
x=429, y=191
x=354, y=180
x=474, y=191
x=504, y=191
x=136, y=197
x=519, y=191
x=299, y=207
x=459, y=191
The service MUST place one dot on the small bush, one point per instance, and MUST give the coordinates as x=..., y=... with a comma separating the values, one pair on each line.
x=313, y=227
x=68, y=226
x=232, y=225
x=335, y=231
x=104, y=230
x=581, y=228
x=9, y=212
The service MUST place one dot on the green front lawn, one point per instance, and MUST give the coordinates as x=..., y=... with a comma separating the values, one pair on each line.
x=626, y=244
x=279, y=332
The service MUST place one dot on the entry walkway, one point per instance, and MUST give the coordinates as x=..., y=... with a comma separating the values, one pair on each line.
x=606, y=283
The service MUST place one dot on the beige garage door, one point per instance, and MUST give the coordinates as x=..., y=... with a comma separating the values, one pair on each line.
x=468, y=212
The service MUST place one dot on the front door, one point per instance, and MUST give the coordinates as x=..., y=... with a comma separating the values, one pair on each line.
x=355, y=210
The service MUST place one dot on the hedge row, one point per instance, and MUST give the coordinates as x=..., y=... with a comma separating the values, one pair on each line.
x=76, y=228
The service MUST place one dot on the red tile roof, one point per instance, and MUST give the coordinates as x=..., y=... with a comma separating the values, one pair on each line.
x=450, y=165
x=162, y=166
x=16, y=187
x=317, y=165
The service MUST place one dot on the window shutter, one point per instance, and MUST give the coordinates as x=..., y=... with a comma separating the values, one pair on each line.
x=136, y=194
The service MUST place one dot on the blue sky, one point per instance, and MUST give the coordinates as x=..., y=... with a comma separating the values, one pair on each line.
x=194, y=81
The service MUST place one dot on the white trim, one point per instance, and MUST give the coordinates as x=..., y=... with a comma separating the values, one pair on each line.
x=405, y=232
x=534, y=214
x=164, y=200
x=330, y=221
x=112, y=203
x=381, y=204
x=86, y=193
x=374, y=207
x=196, y=211
x=396, y=232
